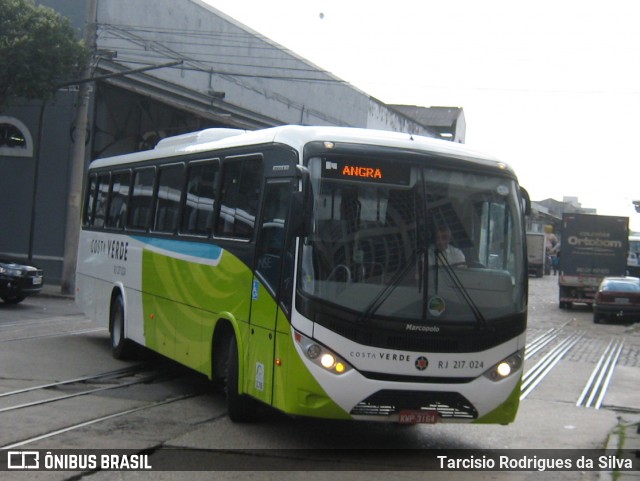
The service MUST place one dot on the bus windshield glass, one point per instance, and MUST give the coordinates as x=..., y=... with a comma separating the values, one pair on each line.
x=401, y=241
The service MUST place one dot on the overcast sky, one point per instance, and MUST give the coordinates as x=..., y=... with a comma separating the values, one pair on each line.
x=551, y=87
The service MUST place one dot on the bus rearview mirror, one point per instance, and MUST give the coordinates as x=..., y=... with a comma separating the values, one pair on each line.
x=300, y=215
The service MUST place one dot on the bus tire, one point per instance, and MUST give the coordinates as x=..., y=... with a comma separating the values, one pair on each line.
x=121, y=347
x=240, y=407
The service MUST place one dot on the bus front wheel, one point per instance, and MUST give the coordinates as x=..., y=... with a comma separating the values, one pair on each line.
x=240, y=407
x=121, y=347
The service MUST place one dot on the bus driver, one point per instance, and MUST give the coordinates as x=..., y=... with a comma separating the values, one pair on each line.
x=453, y=255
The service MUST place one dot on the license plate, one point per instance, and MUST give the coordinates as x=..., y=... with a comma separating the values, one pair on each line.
x=621, y=300
x=417, y=416
x=37, y=280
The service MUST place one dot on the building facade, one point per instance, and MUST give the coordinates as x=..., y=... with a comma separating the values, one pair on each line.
x=161, y=68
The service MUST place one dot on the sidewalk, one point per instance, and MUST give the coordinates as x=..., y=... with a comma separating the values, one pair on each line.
x=53, y=290
x=625, y=436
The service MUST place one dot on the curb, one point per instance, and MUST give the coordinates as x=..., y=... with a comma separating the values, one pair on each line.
x=626, y=435
x=54, y=291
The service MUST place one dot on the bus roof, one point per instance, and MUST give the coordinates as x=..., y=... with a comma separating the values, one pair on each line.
x=297, y=137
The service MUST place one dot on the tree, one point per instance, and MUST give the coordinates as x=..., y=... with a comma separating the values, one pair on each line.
x=38, y=51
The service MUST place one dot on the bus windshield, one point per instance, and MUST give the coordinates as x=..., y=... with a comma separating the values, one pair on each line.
x=424, y=245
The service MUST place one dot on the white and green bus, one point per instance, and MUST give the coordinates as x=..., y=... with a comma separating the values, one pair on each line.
x=304, y=268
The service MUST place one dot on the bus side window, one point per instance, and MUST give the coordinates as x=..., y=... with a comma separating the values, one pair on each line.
x=141, y=197
x=197, y=212
x=89, y=201
x=102, y=196
x=118, y=197
x=239, y=198
x=271, y=240
x=170, y=184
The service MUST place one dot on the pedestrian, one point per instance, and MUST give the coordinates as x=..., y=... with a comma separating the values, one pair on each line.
x=555, y=262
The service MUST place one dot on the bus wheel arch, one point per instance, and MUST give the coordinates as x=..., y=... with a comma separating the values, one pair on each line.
x=225, y=370
x=121, y=347
x=220, y=351
x=241, y=408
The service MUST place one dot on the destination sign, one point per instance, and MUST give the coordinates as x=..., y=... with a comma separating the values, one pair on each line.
x=364, y=170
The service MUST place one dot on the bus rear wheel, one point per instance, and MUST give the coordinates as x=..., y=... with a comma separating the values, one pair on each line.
x=240, y=407
x=121, y=347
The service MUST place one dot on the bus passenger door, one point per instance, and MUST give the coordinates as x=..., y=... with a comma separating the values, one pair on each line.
x=269, y=265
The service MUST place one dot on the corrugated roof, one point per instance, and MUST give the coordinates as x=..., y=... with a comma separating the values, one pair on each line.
x=431, y=116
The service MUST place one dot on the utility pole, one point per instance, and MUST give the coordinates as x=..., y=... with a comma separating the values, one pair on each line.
x=74, y=200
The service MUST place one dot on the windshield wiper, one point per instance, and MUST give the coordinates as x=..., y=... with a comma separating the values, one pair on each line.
x=440, y=257
x=390, y=287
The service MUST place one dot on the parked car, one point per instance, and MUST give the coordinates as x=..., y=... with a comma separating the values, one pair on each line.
x=617, y=297
x=17, y=281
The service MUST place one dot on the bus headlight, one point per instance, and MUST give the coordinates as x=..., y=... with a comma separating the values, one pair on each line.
x=327, y=360
x=313, y=351
x=506, y=367
x=321, y=356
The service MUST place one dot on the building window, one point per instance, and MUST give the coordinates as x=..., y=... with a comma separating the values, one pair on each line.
x=15, y=139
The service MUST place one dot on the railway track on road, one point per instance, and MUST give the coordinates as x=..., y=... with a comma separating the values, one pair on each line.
x=552, y=346
x=57, y=326
x=596, y=387
x=120, y=373
x=48, y=321
x=103, y=375
x=76, y=332
x=116, y=379
x=100, y=419
x=538, y=372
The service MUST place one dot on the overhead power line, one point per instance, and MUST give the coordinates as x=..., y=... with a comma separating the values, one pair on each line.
x=142, y=47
